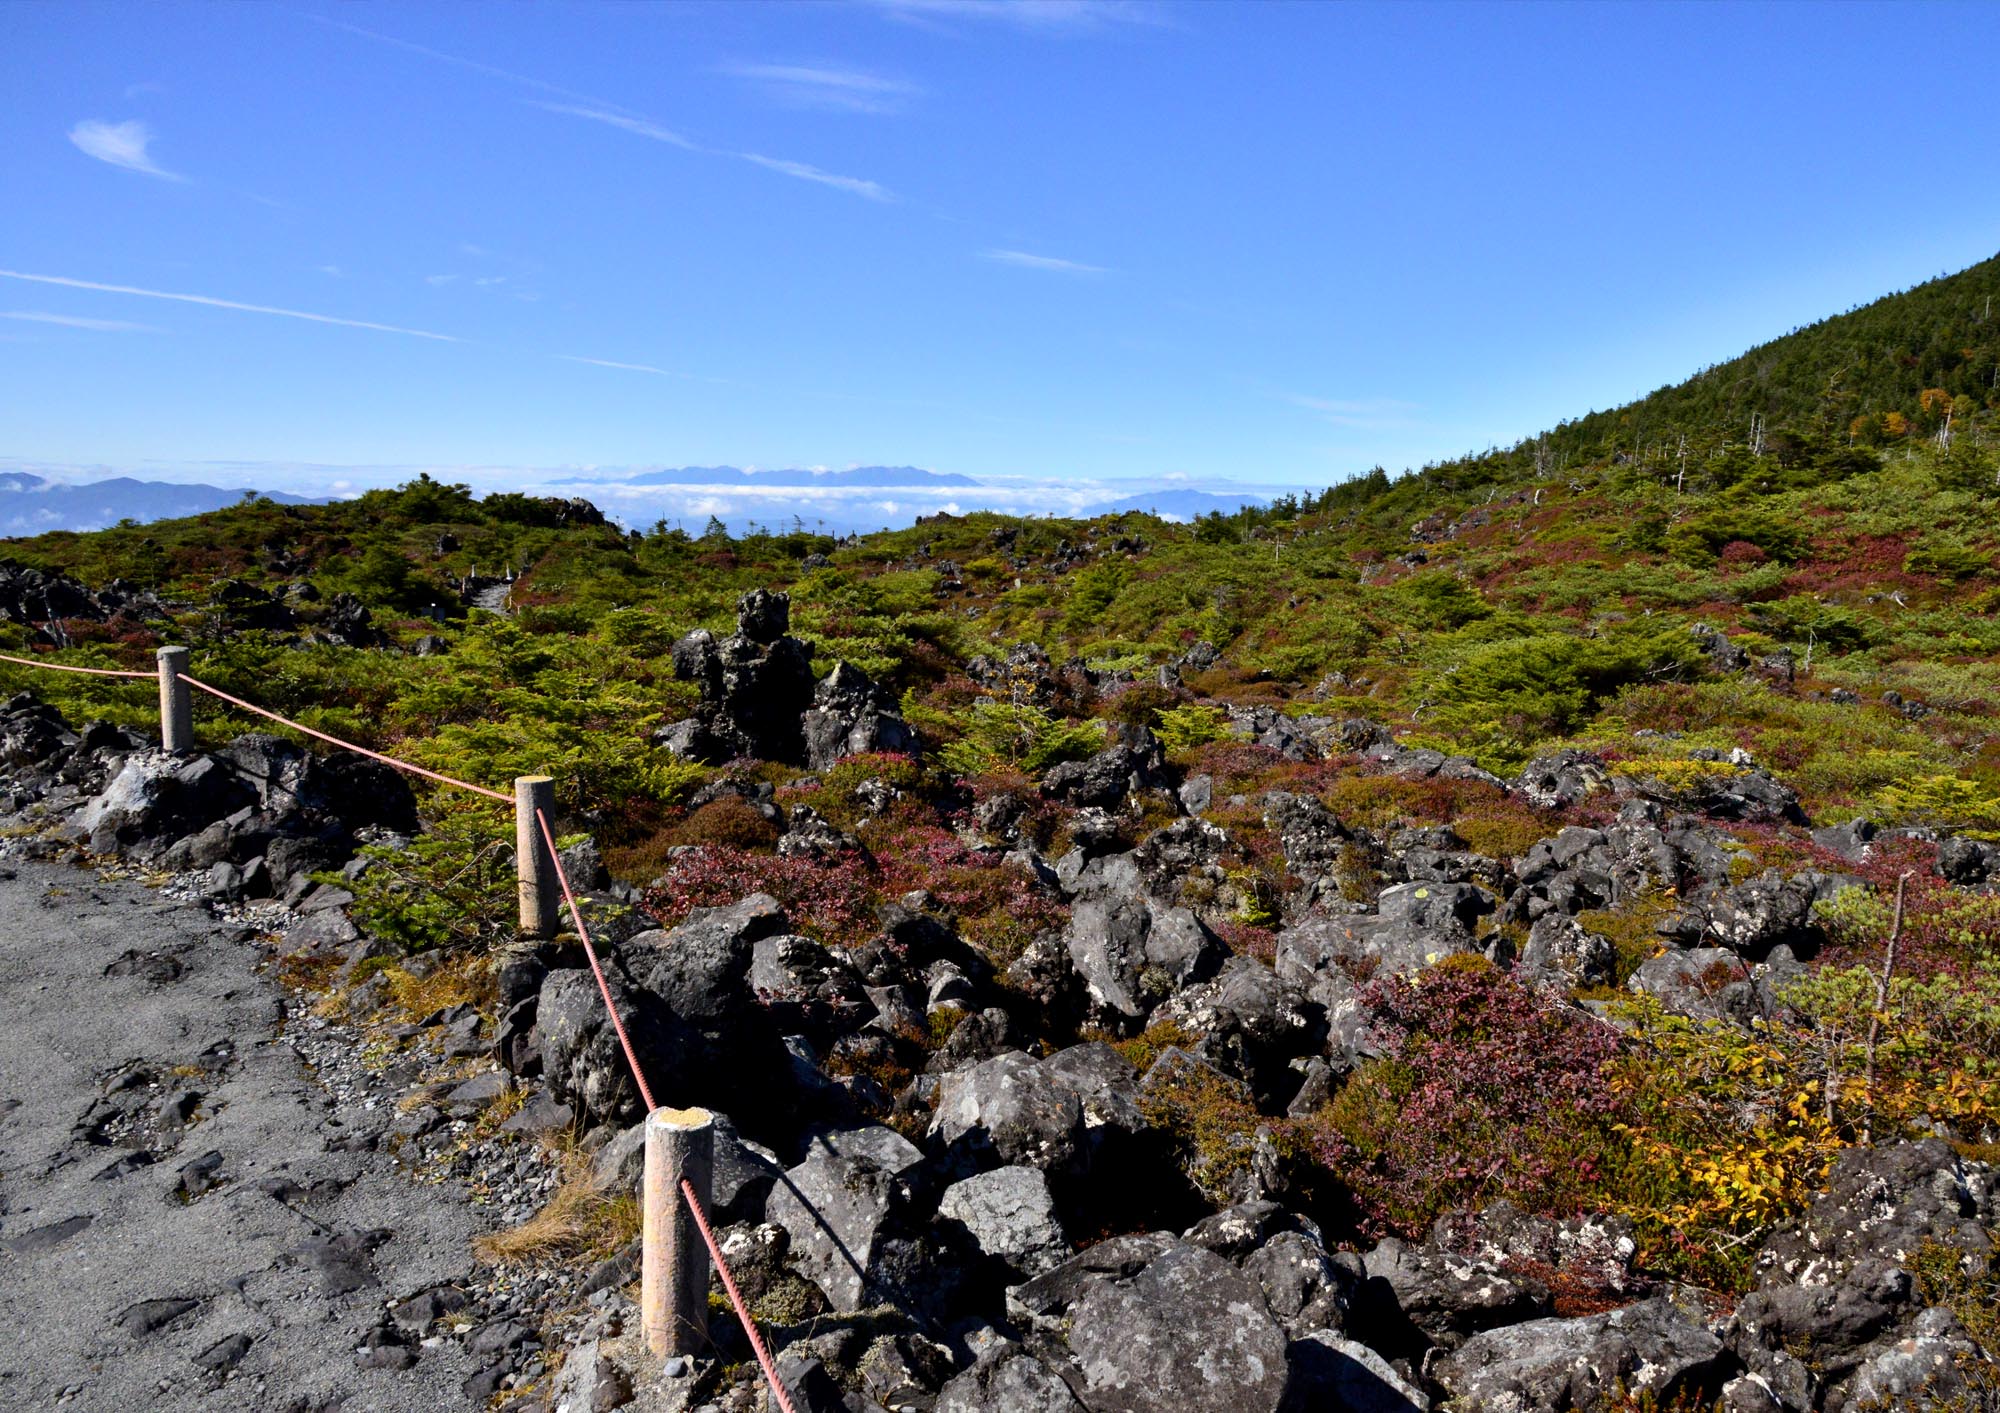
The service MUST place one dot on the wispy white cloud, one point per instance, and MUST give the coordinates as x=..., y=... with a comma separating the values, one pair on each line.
x=1047, y=16
x=624, y=121
x=806, y=172
x=625, y=367
x=599, y=110
x=144, y=89
x=827, y=86
x=644, y=127
x=213, y=303
x=439, y=279
x=1367, y=414
x=76, y=321
x=1041, y=262
x=334, y=270
x=457, y=61
x=122, y=145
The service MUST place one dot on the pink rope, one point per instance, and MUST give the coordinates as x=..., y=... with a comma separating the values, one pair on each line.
x=736, y=1299
x=646, y=1093
x=344, y=745
x=603, y=986
x=65, y=667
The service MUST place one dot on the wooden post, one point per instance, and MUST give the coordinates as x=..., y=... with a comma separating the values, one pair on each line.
x=176, y=707
x=673, y=1264
x=540, y=892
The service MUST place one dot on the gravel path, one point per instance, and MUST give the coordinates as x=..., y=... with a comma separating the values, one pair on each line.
x=181, y=1224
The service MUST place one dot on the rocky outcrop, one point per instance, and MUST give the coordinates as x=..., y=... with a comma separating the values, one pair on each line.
x=758, y=697
x=851, y=716
x=755, y=686
x=1837, y=1307
x=1107, y=779
x=689, y=1007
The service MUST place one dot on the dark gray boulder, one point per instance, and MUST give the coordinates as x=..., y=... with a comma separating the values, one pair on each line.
x=1436, y=907
x=806, y=988
x=1010, y=1215
x=290, y=780
x=1331, y=955
x=1182, y=860
x=1868, y=1300
x=1051, y=1295
x=1562, y=953
x=1189, y=1333
x=1312, y=840
x=1928, y=1368
x=1105, y=1083
x=1854, y=841
x=1708, y=983
x=1133, y=953
x=809, y=834
x=1561, y=779
x=1840, y=1282
x=836, y=1206
x=1333, y=1374
x=1292, y=738
x=1009, y=1110
x=1417, y=1295
x=157, y=798
x=1590, y=1256
x=1010, y=1381
x=1106, y=779
x=1743, y=795
x=1968, y=862
x=1250, y=1023
x=1648, y=1350
x=688, y=1006
x=851, y=715
x=1306, y=1287
x=1751, y=918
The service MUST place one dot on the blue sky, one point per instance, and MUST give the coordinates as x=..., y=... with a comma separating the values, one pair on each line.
x=1105, y=242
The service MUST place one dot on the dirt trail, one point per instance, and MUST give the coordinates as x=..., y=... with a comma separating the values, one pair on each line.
x=181, y=1223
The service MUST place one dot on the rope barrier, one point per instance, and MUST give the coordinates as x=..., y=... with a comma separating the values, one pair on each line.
x=645, y=1093
x=736, y=1299
x=344, y=745
x=271, y=716
x=66, y=667
x=603, y=986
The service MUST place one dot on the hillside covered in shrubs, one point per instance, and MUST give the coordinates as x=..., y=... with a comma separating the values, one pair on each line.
x=1516, y=935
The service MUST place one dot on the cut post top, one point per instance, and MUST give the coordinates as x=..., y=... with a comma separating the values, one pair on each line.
x=689, y=1120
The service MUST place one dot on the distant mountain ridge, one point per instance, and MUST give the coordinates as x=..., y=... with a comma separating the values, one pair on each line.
x=31, y=504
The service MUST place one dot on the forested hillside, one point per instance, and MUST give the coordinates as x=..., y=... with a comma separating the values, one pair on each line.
x=1534, y=825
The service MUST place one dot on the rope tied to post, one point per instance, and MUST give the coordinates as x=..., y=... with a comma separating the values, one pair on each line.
x=336, y=741
x=590, y=951
x=693, y=1200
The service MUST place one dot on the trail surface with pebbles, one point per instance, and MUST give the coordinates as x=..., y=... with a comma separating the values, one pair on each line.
x=189, y=1218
